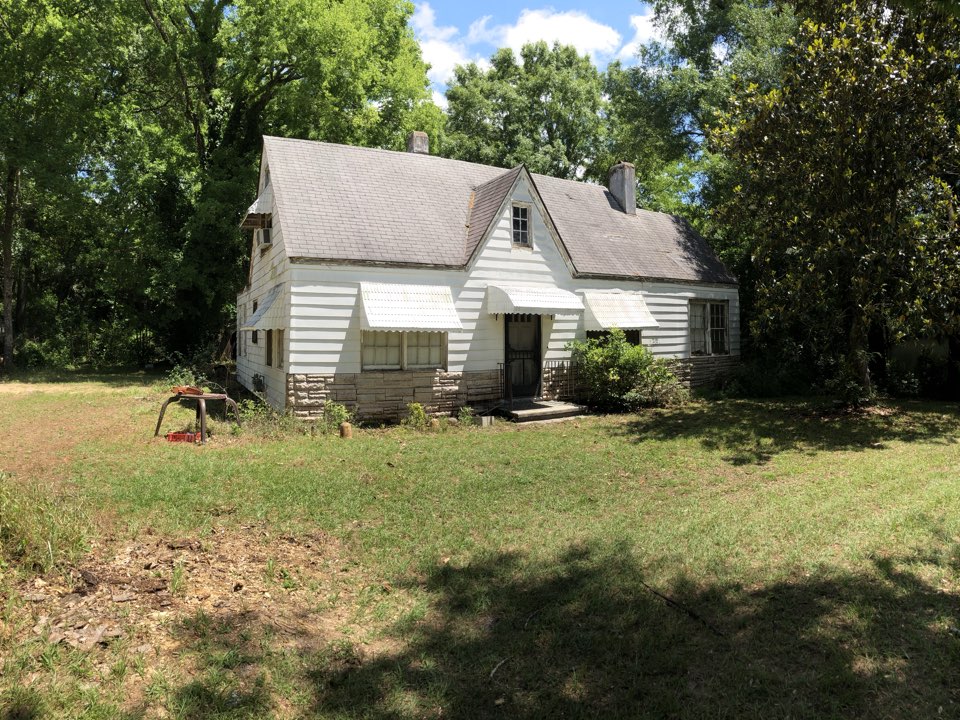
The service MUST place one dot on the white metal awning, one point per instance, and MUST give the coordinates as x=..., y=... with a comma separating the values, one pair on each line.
x=625, y=310
x=407, y=308
x=258, y=215
x=531, y=300
x=269, y=312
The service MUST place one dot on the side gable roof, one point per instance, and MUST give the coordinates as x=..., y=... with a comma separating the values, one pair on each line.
x=338, y=203
x=604, y=241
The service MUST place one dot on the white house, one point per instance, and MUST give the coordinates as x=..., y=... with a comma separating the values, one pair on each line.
x=381, y=278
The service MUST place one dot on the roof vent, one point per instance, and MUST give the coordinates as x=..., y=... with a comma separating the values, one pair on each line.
x=622, y=183
x=418, y=142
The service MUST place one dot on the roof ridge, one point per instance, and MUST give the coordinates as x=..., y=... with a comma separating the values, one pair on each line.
x=514, y=171
x=384, y=151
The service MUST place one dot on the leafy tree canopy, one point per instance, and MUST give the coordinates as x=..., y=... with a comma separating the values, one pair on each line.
x=542, y=109
x=843, y=184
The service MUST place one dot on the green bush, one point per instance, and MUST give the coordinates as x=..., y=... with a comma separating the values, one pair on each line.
x=617, y=375
x=466, y=416
x=416, y=417
x=261, y=420
x=334, y=414
x=37, y=354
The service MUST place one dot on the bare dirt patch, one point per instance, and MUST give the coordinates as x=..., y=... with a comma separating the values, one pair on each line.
x=43, y=433
x=156, y=602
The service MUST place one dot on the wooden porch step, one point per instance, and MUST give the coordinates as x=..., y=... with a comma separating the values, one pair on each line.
x=530, y=410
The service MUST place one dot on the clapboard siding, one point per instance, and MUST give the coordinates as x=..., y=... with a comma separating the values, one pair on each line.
x=322, y=305
x=268, y=267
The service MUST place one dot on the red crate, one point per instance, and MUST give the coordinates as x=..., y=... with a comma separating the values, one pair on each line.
x=183, y=437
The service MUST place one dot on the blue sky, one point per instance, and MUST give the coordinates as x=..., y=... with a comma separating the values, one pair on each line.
x=453, y=32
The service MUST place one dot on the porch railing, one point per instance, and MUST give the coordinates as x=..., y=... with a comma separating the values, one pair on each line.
x=559, y=380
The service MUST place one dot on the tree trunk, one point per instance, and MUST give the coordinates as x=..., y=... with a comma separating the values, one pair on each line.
x=11, y=191
x=857, y=352
x=953, y=366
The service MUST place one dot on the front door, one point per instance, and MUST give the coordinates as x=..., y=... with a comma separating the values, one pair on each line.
x=522, y=342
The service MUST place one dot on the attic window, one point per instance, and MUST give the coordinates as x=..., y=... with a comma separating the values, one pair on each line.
x=521, y=225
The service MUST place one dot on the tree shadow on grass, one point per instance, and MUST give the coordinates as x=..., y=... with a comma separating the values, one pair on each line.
x=752, y=432
x=21, y=704
x=230, y=678
x=584, y=637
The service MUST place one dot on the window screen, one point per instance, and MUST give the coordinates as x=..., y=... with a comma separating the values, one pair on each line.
x=718, y=328
x=698, y=329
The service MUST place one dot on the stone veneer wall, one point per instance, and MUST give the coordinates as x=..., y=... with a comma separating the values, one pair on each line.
x=705, y=370
x=384, y=395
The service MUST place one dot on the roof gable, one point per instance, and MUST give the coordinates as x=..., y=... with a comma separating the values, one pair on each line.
x=492, y=200
x=486, y=204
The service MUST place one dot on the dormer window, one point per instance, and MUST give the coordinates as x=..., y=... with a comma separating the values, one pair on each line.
x=521, y=225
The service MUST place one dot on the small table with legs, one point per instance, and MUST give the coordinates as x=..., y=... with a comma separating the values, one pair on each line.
x=201, y=409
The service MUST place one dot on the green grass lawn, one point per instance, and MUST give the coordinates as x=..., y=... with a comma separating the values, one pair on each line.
x=728, y=559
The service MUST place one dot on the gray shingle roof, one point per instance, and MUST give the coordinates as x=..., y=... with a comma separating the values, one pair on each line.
x=485, y=201
x=338, y=202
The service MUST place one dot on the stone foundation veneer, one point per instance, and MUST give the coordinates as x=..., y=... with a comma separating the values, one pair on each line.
x=704, y=370
x=384, y=395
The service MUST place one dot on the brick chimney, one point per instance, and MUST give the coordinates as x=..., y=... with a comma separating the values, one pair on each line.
x=622, y=183
x=418, y=142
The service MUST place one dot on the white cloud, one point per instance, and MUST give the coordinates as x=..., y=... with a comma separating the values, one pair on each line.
x=643, y=32
x=424, y=23
x=445, y=46
x=479, y=32
x=570, y=27
x=441, y=46
x=443, y=58
x=440, y=100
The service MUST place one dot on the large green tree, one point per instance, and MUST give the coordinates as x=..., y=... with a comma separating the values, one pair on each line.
x=661, y=109
x=55, y=77
x=542, y=109
x=847, y=184
x=214, y=76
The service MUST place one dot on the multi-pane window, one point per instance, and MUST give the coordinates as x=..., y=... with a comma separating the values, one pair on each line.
x=521, y=225
x=633, y=336
x=382, y=350
x=266, y=235
x=402, y=350
x=709, y=328
x=269, y=348
x=278, y=350
x=254, y=334
x=718, y=328
x=424, y=349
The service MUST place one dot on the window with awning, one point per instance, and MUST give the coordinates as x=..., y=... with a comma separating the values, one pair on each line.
x=408, y=308
x=523, y=300
x=624, y=310
x=260, y=213
x=268, y=313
